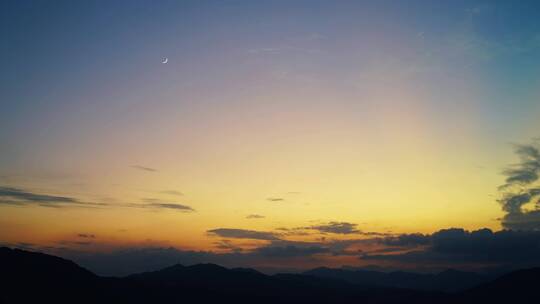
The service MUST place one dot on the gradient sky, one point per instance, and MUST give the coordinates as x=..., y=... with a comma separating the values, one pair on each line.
x=390, y=117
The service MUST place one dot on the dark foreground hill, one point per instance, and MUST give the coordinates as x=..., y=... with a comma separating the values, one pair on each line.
x=29, y=277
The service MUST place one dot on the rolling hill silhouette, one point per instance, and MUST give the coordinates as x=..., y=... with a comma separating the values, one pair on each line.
x=30, y=277
x=449, y=280
x=515, y=287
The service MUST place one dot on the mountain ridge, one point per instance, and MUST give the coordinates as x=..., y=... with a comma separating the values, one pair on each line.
x=30, y=277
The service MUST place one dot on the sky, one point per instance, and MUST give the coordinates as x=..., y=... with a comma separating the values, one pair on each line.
x=276, y=133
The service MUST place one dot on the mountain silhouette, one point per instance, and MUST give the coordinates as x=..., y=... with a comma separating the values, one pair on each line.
x=515, y=287
x=30, y=277
x=449, y=280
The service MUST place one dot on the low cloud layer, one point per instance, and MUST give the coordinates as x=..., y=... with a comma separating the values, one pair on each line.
x=280, y=234
x=447, y=248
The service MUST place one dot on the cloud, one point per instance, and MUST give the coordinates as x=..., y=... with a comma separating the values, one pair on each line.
x=75, y=243
x=227, y=245
x=526, y=171
x=86, y=236
x=407, y=240
x=298, y=231
x=19, y=196
x=529, y=220
x=20, y=245
x=178, y=207
x=143, y=168
x=520, y=189
x=513, y=202
x=243, y=234
x=457, y=246
x=275, y=199
x=255, y=216
x=157, y=203
x=330, y=227
x=16, y=196
x=336, y=227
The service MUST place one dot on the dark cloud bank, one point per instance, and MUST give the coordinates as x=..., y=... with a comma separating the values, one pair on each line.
x=457, y=246
x=448, y=248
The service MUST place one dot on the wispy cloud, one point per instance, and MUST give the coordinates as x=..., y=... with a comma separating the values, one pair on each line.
x=255, y=216
x=157, y=203
x=178, y=207
x=275, y=199
x=143, y=168
x=324, y=228
x=21, y=197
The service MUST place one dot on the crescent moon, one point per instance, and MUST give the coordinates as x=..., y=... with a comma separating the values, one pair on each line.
x=165, y=60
